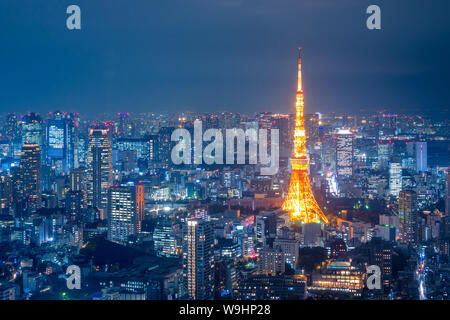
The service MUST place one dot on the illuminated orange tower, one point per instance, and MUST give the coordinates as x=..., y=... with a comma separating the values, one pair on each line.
x=300, y=201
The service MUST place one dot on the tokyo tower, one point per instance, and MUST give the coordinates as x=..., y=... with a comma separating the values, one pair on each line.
x=300, y=201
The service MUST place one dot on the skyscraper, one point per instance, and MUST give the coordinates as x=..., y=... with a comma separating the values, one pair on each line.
x=99, y=167
x=30, y=168
x=123, y=125
x=395, y=178
x=407, y=211
x=5, y=193
x=141, y=147
x=344, y=154
x=153, y=149
x=78, y=179
x=125, y=211
x=281, y=122
x=265, y=227
x=75, y=204
x=32, y=131
x=384, y=152
x=165, y=241
x=12, y=128
x=198, y=259
x=447, y=194
x=165, y=146
x=312, y=127
x=421, y=156
x=271, y=261
x=61, y=134
x=290, y=248
x=381, y=255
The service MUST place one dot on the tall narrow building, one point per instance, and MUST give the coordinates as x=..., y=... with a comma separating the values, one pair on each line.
x=99, y=167
x=61, y=138
x=12, y=129
x=32, y=132
x=395, y=178
x=344, y=154
x=78, y=179
x=125, y=212
x=198, y=259
x=421, y=156
x=447, y=194
x=30, y=169
x=6, y=193
x=407, y=211
x=300, y=201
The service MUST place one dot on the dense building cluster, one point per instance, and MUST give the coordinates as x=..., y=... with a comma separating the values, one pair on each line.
x=101, y=192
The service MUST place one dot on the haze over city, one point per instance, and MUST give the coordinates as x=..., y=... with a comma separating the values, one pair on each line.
x=220, y=55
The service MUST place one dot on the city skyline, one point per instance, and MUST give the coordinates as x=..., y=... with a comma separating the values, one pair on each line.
x=155, y=151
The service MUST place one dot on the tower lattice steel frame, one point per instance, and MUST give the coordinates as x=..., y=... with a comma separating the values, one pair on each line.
x=300, y=201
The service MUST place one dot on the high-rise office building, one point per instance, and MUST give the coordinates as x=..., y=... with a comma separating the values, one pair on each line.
x=407, y=211
x=141, y=146
x=381, y=255
x=125, y=211
x=447, y=194
x=75, y=204
x=99, y=167
x=271, y=261
x=384, y=153
x=290, y=249
x=395, y=178
x=12, y=129
x=281, y=122
x=265, y=227
x=78, y=179
x=229, y=120
x=198, y=259
x=61, y=135
x=165, y=146
x=82, y=150
x=123, y=124
x=421, y=156
x=5, y=193
x=165, y=242
x=30, y=168
x=32, y=129
x=153, y=149
x=312, y=127
x=344, y=154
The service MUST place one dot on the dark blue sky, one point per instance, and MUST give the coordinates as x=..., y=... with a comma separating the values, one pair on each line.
x=213, y=55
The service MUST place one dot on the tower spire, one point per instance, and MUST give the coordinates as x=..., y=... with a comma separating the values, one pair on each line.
x=299, y=87
x=299, y=132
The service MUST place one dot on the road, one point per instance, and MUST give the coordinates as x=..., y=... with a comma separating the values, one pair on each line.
x=421, y=274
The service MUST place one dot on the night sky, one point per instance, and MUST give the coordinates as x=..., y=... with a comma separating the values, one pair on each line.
x=215, y=55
